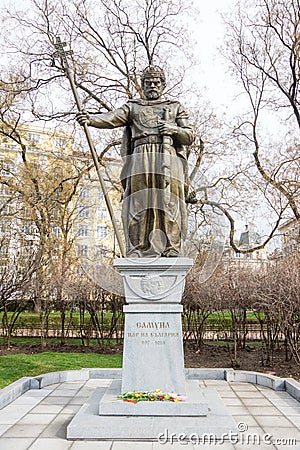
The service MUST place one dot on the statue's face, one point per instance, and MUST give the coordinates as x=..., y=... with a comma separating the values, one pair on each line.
x=152, y=88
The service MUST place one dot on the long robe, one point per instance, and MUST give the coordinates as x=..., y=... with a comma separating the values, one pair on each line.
x=153, y=211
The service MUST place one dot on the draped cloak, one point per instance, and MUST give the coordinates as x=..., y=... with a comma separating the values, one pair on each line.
x=154, y=212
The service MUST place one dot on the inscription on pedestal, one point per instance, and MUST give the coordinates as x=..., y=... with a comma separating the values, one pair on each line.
x=153, y=353
x=153, y=348
x=153, y=338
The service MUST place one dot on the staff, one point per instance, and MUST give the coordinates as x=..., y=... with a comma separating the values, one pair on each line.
x=64, y=62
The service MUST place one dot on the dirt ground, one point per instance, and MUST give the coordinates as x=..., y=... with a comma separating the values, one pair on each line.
x=210, y=355
x=250, y=358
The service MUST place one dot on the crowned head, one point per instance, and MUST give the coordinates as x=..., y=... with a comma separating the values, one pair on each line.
x=153, y=82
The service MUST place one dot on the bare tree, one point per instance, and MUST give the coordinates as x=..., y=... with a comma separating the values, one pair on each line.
x=17, y=269
x=263, y=48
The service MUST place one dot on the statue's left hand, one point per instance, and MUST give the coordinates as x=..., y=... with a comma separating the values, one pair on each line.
x=168, y=129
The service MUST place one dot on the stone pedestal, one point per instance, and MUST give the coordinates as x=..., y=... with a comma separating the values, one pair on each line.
x=152, y=359
x=153, y=346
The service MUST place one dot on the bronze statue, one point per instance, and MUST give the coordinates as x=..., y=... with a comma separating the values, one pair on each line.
x=154, y=151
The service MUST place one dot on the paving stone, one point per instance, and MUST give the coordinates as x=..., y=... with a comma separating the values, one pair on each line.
x=16, y=443
x=256, y=402
x=71, y=409
x=78, y=400
x=25, y=430
x=250, y=394
x=39, y=393
x=260, y=446
x=289, y=410
x=237, y=410
x=56, y=400
x=58, y=427
x=232, y=401
x=251, y=431
x=227, y=393
x=47, y=409
x=285, y=446
x=87, y=392
x=11, y=414
x=31, y=401
x=37, y=419
x=276, y=422
x=4, y=428
x=51, y=444
x=124, y=445
x=284, y=433
x=263, y=411
x=179, y=446
x=245, y=387
x=51, y=386
x=295, y=420
x=219, y=383
x=96, y=445
x=249, y=421
x=285, y=402
x=63, y=393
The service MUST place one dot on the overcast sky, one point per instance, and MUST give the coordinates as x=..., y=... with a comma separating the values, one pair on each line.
x=209, y=36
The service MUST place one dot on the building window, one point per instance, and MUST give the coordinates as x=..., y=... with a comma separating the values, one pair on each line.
x=82, y=250
x=4, y=190
x=56, y=231
x=84, y=212
x=101, y=250
x=32, y=150
x=28, y=228
x=43, y=161
x=34, y=137
x=59, y=142
x=102, y=232
x=5, y=226
x=7, y=168
x=4, y=250
x=10, y=146
x=7, y=208
x=101, y=213
x=84, y=193
x=56, y=213
x=83, y=231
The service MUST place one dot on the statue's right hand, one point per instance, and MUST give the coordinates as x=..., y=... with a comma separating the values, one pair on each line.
x=83, y=117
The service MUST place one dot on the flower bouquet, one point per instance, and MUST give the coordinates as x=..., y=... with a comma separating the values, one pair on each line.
x=152, y=396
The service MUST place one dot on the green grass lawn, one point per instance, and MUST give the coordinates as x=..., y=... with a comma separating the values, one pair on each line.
x=13, y=367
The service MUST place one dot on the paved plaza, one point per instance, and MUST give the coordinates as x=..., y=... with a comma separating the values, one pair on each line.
x=38, y=419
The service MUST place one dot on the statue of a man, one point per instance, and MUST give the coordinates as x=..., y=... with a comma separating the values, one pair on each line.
x=154, y=152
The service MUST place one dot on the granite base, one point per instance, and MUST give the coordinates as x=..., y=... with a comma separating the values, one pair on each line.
x=194, y=405
x=218, y=424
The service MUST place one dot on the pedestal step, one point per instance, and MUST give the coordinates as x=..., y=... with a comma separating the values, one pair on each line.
x=88, y=424
x=194, y=405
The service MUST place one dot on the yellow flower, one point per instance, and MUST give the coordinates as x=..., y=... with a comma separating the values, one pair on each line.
x=176, y=400
x=158, y=390
x=167, y=397
x=136, y=395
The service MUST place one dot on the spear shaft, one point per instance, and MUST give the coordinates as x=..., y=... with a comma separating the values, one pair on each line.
x=63, y=56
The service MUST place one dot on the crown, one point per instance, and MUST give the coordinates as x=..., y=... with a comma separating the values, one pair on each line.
x=153, y=71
